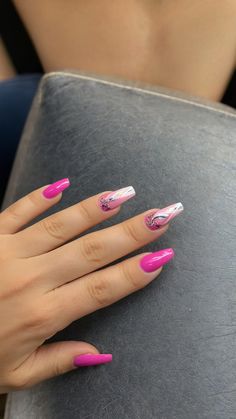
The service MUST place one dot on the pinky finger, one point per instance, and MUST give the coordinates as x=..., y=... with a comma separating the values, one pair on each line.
x=17, y=215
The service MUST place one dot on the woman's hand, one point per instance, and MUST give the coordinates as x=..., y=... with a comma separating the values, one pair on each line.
x=46, y=283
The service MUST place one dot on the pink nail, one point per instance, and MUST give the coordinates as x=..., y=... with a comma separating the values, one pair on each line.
x=86, y=360
x=154, y=261
x=55, y=188
x=114, y=199
x=163, y=216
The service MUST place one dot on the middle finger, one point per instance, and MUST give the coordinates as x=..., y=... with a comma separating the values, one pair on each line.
x=98, y=249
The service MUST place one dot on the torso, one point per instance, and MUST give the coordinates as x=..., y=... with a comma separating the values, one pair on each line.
x=177, y=44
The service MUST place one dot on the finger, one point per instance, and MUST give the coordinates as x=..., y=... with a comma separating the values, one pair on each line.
x=100, y=248
x=58, y=228
x=13, y=218
x=105, y=287
x=54, y=359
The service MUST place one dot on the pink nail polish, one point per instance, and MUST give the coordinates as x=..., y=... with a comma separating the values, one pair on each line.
x=154, y=261
x=163, y=216
x=85, y=360
x=114, y=199
x=55, y=188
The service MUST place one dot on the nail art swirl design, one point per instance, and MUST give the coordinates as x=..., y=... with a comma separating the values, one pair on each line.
x=116, y=198
x=161, y=217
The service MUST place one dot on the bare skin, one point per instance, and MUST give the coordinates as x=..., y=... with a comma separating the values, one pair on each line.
x=50, y=277
x=185, y=45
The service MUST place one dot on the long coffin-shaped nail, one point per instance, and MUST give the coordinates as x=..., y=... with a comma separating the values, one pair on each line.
x=55, y=188
x=163, y=216
x=154, y=261
x=114, y=199
x=86, y=360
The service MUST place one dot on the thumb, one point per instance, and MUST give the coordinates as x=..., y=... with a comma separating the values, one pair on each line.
x=54, y=359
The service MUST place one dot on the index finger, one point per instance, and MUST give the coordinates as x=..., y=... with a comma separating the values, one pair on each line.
x=13, y=218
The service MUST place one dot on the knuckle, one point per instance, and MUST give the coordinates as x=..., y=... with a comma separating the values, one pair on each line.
x=54, y=228
x=132, y=233
x=13, y=212
x=99, y=291
x=58, y=368
x=84, y=211
x=134, y=281
x=92, y=250
x=34, y=199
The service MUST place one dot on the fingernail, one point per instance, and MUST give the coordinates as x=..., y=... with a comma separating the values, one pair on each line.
x=55, y=188
x=86, y=360
x=114, y=199
x=163, y=216
x=154, y=261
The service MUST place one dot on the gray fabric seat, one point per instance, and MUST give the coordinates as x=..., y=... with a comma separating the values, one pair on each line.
x=173, y=343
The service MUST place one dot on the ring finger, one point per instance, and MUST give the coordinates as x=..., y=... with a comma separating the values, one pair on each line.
x=98, y=249
x=105, y=287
